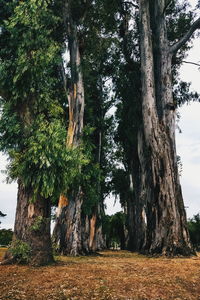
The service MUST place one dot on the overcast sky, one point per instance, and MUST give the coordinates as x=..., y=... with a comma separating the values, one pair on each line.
x=188, y=147
x=188, y=142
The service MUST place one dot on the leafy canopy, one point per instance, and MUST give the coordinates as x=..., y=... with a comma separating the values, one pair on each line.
x=32, y=124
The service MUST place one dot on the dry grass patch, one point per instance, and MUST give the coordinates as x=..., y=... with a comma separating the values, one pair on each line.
x=2, y=252
x=110, y=275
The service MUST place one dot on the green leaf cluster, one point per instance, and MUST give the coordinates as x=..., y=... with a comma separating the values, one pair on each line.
x=31, y=53
x=194, y=230
x=20, y=251
x=5, y=236
x=38, y=222
x=91, y=174
x=46, y=165
x=114, y=229
x=32, y=124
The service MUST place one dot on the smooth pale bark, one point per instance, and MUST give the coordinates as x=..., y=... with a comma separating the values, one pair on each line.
x=32, y=226
x=166, y=231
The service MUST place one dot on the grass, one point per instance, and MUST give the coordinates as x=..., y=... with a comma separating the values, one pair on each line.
x=110, y=275
x=2, y=251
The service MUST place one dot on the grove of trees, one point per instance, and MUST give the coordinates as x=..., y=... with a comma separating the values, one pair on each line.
x=63, y=66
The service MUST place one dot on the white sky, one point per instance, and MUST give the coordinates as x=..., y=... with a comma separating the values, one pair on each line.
x=8, y=197
x=188, y=142
x=188, y=147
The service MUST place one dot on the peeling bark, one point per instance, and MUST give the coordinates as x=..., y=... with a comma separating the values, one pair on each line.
x=68, y=228
x=166, y=231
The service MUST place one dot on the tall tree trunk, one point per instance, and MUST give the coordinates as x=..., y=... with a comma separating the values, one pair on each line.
x=73, y=224
x=68, y=227
x=32, y=226
x=130, y=218
x=33, y=217
x=136, y=204
x=97, y=239
x=166, y=219
x=135, y=221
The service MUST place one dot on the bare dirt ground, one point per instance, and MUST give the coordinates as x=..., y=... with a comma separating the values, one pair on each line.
x=111, y=275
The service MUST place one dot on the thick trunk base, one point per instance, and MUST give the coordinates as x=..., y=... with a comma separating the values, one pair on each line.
x=170, y=251
x=31, y=240
x=68, y=228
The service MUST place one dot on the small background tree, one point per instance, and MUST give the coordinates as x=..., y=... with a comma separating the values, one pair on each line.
x=1, y=215
x=114, y=230
x=194, y=231
x=5, y=234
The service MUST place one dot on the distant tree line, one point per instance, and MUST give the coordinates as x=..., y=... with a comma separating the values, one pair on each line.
x=115, y=230
x=194, y=230
x=5, y=234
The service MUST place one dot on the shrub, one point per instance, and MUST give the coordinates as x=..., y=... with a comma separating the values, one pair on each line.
x=21, y=251
x=194, y=230
x=5, y=236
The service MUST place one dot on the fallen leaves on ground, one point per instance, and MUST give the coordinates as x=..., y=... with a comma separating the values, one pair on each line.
x=107, y=276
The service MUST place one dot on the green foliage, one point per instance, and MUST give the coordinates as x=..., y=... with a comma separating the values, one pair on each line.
x=32, y=51
x=5, y=236
x=114, y=229
x=32, y=124
x=182, y=94
x=194, y=230
x=20, y=251
x=33, y=121
x=36, y=226
x=91, y=175
x=98, y=41
x=46, y=165
x=10, y=128
x=121, y=185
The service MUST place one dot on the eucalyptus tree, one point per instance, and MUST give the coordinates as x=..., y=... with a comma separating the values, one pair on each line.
x=128, y=182
x=127, y=87
x=32, y=125
x=166, y=231
x=88, y=43
x=67, y=232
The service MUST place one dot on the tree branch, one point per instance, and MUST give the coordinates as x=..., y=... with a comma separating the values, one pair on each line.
x=130, y=3
x=167, y=3
x=190, y=62
x=175, y=47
